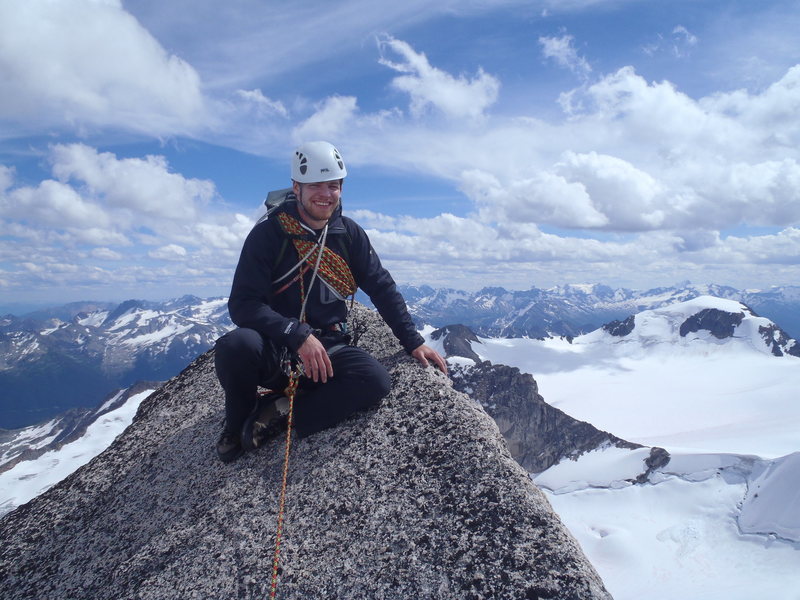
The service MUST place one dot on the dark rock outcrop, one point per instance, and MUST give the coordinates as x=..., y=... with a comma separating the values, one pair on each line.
x=721, y=324
x=620, y=328
x=778, y=342
x=457, y=341
x=416, y=499
x=538, y=435
x=658, y=458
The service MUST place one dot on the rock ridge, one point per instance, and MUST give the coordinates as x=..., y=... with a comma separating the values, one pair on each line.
x=419, y=498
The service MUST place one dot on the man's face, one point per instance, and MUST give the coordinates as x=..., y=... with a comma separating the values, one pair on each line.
x=318, y=201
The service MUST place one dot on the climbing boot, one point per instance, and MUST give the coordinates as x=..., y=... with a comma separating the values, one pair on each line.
x=266, y=421
x=229, y=446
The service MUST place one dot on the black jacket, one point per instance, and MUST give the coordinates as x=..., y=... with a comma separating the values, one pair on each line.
x=254, y=304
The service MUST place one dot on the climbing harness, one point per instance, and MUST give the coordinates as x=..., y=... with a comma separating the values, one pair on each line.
x=290, y=392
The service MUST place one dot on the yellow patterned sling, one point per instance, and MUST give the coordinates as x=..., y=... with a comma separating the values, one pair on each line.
x=333, y=269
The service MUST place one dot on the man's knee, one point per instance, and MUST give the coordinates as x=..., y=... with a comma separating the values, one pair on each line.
x=382, y=383
x=239, y=343
x=374, y=382
x=236, y=352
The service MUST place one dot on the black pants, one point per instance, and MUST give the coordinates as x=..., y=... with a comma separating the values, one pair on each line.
x=244, y=360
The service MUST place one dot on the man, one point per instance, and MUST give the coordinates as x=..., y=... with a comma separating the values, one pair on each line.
x=288, y=299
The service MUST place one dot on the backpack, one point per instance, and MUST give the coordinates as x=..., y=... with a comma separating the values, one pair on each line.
x=274, y=199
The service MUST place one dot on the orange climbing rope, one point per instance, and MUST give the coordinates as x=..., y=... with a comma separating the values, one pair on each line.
x=290, y=391
x=335, y=272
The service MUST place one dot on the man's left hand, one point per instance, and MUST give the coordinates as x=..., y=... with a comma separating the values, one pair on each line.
x=424, y=353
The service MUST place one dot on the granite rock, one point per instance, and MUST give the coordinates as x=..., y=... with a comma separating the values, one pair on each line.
x=419, y=498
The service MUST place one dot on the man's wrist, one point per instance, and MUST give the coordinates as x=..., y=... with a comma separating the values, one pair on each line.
x=296, y=334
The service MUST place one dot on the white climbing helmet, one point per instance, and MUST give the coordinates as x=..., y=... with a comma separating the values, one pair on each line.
x=317, y=161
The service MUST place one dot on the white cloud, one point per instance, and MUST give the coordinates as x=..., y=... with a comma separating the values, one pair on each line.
x=327, y=123
x=544, y=198
x=89, y=62
x=564, y=53
x=144, y=186
x=679, y=43
x=428, y=86
x=773, y=114
x=52, y=203
x=168, y=252
x=7, y=175
x=683, y=41
x=262, y=104
x=105, y=254
x=630, y=199
x=62, y=232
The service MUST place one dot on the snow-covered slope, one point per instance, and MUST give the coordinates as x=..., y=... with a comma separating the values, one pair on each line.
x=35, y=458
x=701, y=379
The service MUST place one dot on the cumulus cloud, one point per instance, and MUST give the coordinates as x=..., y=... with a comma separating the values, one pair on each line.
x=330, y=118
x=89, y=62
x=428, y=86
x=544, y=198
x=773, y=114
x=629, y=198
x=168, y=252
x=145, y=186
x=52, y=203
x=156, y=225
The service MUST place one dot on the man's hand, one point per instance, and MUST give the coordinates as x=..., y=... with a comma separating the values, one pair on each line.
x=425, y=353
x=315, y=360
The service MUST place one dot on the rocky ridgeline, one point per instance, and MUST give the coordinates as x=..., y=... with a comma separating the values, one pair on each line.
x=419, y=498
x=538, y=435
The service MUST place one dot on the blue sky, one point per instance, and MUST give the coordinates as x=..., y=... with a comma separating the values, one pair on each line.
x=498, y=143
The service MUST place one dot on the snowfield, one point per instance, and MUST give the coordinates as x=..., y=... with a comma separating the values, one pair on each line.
x=722, y=519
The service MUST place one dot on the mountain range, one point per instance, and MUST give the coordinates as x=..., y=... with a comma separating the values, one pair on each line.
x=571, y=310
x=75, y=355
x=700, y=493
